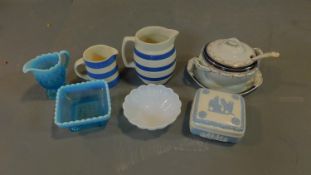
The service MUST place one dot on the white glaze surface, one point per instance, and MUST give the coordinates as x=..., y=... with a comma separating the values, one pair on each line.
x=210, y=77
x=231, y=52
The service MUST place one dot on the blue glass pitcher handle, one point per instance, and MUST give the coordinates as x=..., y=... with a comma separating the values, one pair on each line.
x=64, y=55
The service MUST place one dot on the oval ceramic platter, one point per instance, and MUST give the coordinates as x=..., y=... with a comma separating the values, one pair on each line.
x=257, y=83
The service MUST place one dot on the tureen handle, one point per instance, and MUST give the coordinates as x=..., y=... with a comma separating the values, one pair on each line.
x=266, y=55
x=258, y=51
x=233, y=42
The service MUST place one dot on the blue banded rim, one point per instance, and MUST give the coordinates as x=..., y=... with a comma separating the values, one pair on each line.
x=103, y=75
x=154, y=57
x=155, y=79
x=102, y=64
x=155, y=69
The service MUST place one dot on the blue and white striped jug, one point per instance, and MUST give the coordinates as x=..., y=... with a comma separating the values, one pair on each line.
x=154, y=54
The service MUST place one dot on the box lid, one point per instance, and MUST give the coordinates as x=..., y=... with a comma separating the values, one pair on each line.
x=218, y=112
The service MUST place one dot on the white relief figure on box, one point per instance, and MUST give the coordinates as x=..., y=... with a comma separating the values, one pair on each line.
x=220, y=105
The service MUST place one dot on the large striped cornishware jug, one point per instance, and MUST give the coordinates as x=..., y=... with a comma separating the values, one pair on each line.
x=154, y=54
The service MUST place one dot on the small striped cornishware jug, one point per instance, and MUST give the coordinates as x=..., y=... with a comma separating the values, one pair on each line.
x=154, y=54
x=100, y=64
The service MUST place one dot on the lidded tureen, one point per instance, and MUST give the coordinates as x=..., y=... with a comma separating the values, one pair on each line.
x=229, y=65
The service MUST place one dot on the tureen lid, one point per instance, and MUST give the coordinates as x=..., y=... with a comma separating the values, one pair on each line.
x=230, y=52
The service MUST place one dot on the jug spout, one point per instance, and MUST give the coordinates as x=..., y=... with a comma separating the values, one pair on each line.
x=28, y=67
x=172, y=33
x=114, y=51
x=105, y=50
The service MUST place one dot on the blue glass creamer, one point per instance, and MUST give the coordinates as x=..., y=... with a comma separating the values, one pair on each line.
x=49, y=70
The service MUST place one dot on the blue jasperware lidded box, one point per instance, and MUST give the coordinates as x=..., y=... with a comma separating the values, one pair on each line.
x=218, y=115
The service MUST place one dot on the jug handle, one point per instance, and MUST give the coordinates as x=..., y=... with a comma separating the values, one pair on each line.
x=64, y=57
x=126, y=40
x=77, y=64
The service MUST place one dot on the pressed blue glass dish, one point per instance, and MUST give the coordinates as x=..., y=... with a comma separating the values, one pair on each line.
x=82, y=105
x=49, y=70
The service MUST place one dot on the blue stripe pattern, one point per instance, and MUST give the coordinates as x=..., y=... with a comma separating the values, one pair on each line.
x=102, y=64
x=104, y=75
x=154, y=79
x=114, y=82
x=154, y=57
x=155, y=69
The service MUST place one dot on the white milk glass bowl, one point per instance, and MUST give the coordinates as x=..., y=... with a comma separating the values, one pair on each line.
x=151, y=107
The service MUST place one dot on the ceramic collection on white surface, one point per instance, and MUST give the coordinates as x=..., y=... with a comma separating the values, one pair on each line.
x=224, y=69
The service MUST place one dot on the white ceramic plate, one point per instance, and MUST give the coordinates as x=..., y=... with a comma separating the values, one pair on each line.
x=152, y=106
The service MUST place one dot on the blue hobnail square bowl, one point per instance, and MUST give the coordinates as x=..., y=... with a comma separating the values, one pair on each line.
x=83, y=105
